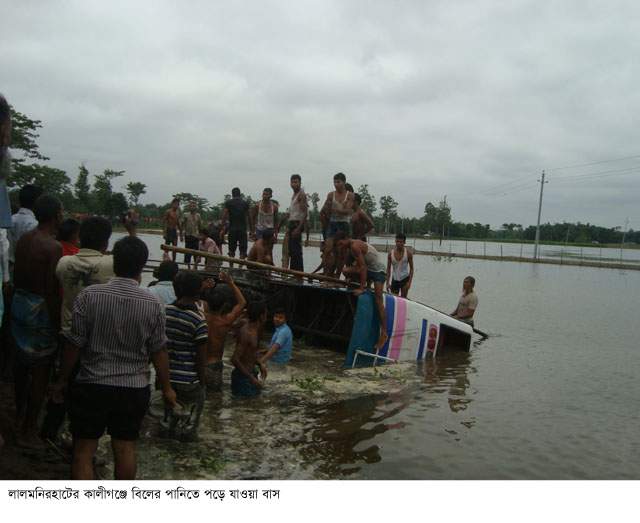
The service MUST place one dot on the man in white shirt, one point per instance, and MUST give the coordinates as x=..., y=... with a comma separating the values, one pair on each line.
x=163, y=289
x=468, y=302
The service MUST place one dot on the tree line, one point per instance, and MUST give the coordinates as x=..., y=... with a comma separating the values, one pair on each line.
x=95, y=194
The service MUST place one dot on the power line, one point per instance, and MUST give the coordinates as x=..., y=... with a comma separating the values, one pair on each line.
x=627, y=170
x=594, y=163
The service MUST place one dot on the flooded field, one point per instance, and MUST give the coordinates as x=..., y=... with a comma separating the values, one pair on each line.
x=551, y=394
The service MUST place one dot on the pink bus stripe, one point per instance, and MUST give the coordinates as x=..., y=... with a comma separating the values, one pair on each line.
x=399, y=327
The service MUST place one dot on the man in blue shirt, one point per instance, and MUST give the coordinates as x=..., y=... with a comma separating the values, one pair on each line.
x=281, y=341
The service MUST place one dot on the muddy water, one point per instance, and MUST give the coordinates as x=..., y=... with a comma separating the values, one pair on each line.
x=551, y=394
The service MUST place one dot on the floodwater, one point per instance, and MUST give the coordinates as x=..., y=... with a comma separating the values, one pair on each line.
x=551, y=394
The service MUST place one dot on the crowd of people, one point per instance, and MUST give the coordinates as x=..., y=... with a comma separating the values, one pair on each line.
x=84, y=340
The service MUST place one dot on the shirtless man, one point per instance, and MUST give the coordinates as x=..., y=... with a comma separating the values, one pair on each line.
x=35, y=314
x=244, y=377
x=221, y=315
x=400, y=266
x=262, y=249
x=130, y=221
x=172, y=225
x=367, y=267
x=361, y=222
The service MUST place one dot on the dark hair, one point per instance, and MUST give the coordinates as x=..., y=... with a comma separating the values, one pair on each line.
x=235, y=192
x=68, y=229
x=47, y=208
x=472, y=280
x=220, y=299
x=268, y=189
x=340, y=176
x=280, y=310
x=187, y=284
x=167, y=270
x=357, y=198
x=95, y=233
x=401, y=236
x=28, y=195
x=130, y=255
x=255, y=309
x=296, y=177
x=348, y=187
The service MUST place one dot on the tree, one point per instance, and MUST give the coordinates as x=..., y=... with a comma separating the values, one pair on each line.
x=315, y=199
x=135, y=190
x=81, y=187
x=430, y=217
x=368, y=202
x=53, y=181
x=186, y=197
x=388, y=206
x=102, y=194
x=24, y=133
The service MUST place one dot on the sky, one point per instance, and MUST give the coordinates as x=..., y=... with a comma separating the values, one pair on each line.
x=418, y=99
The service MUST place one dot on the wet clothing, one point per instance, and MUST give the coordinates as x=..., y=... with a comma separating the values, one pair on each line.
x=35, y=334
x=116, y=326
x=400, y=268
x=298, y=206
x=163, y=290
x=191, y=224
x=265, y=222
x=338, y=208
x=171, y=236
x=119, y=410
x=242, y=386
x=397, y=285
x=210, y=246
x=213, y=374
x=87, y=267
x=294, y=248
x=238, y=210
x=190, y=242
x=182, y=423
x=466, y=303
x=284, y=338
x=186, y=330
x=238, y=239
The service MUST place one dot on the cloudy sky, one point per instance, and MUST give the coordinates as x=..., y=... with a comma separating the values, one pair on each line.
x=419, y=99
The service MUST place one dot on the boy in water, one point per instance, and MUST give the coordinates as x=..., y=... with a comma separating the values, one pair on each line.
x=281, y=342
x=186, y=331
x=244, y=377
x=225, y=305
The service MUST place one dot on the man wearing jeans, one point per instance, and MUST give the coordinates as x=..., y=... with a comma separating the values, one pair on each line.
x=116, y=328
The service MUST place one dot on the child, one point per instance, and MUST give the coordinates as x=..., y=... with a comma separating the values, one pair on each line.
x=186, y=331
x=206, y=244
x=244, y=377
x=281, y=341
x=225, y=305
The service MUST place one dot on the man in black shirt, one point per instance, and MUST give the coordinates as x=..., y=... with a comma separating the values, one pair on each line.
x=234, y=221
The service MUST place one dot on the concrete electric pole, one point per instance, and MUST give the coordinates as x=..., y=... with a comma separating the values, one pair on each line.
x=535, y=248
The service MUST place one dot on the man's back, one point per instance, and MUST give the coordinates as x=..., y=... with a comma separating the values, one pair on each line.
x=36, y=257
x=75, y=273
x=238, y=211
x=116, y=326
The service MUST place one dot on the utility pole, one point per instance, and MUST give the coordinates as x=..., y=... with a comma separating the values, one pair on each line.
x=535, y=247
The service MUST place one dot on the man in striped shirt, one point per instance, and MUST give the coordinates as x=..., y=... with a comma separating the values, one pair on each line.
x=187, y=336
x=116, y=327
